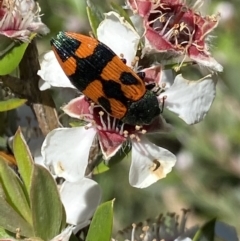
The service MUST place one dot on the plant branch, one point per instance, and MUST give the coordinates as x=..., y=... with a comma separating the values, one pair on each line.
x=27, y=87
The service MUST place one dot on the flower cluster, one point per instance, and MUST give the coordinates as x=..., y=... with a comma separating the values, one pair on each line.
x=157, y=26
x=165, y=227
x=20, y=18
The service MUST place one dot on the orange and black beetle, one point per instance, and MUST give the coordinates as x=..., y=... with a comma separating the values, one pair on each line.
x=102, y=76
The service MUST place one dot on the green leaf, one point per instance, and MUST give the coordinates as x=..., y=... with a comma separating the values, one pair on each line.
x=10, y=220
x=4, y=234
x=13, y=190
x=11, y=104
x=92, y=21
x=206, y=232
x=122, y=12
x=12, y=58
x=64, y=219
x=47, y=209
x=3, y=143
x=94, y=16
x=23, y=158
x=101, y=226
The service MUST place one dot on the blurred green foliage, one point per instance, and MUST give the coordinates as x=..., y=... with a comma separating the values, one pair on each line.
x=207, y=176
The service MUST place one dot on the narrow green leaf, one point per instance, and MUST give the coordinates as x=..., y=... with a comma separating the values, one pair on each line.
x=4, y=234
x=23, y=158
x=11, y=104
x=122, y=12
x=93, y=21
x=101, y=226
x=206, y=232
x=95, y=17
x=64, y=219
x=12, y=58
x=3, y=143
x=10, y=220
x=15, y=195
x=47, y=209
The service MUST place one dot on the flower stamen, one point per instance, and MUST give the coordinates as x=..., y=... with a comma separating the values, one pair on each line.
x=165, y=27
x=133, y=231
x=138, y=127
x=135, y=61
x=101, y=113
x=121, y=129
x=125, y=133
x=143, y=131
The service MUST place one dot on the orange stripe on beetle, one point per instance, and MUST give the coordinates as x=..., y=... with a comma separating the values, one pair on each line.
x=94, y=89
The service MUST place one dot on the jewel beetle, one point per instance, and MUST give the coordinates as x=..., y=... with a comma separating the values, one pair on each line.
x=95, y=70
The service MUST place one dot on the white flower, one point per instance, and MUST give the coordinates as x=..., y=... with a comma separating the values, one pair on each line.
x=149, y=162
x=66, y=157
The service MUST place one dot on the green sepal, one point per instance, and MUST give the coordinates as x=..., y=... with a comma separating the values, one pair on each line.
x=102, y=167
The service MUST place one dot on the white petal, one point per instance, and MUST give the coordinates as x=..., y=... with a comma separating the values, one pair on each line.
x=43, y=85
x=183, y=239
x=80, y=200
x=167, y=78
x=110, y=143
x=137, y=21
x=149, y=163
x=52, y=73
x=66, y=151
x=190, y=100
x=64, y=235
x=81, y=226
x=119, y=36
